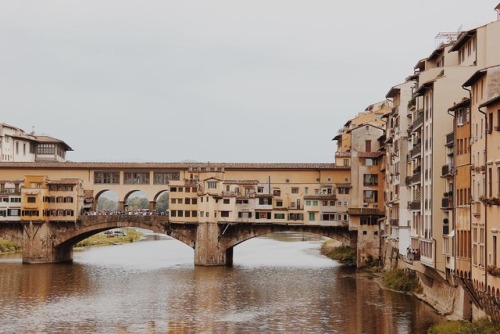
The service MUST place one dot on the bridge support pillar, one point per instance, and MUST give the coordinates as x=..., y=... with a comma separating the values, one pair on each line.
x=209, y=251
x=152, y=205
x=121, y=205
x=38, y=245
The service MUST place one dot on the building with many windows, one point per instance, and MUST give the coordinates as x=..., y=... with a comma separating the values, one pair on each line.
x=397, y=173
x=19, y=146
x=314, y=196
x=44, y=200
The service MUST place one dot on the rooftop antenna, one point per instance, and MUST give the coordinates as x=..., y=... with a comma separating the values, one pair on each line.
x=444, y=38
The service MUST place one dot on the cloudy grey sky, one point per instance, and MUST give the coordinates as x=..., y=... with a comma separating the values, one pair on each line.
x=210, y=80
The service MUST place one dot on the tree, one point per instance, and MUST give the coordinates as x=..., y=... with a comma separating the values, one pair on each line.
x=137, y=203
x=162, y=202
x=106, y=204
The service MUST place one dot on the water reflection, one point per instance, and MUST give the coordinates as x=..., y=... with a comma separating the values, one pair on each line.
x=278, y=284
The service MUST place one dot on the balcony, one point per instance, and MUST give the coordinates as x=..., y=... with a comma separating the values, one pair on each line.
x=447, y=170
x=394, y=222
x=476, y=209
x=417, y=123
x=427, y=252
x=416, y=178
x=416, y=150
x=408, y=180
x=447, y=203
x=414, y=205
x=446, y=229
x=450, y=139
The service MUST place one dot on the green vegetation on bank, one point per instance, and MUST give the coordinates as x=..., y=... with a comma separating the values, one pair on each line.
x=7, y=246
x=483, y=326
x=400, y=280
x=343, y=254
x=102, y=239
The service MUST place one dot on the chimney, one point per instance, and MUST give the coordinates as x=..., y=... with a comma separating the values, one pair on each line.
x=497, y=8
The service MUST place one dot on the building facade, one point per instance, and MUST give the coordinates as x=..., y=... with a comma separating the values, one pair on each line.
x=18, y=146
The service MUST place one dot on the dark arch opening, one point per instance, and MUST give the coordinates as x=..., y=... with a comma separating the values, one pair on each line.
x=161, y=201
x=106, y=200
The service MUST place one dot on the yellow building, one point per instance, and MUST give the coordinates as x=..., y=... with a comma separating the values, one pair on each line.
x=456, y=199
x=44, y=200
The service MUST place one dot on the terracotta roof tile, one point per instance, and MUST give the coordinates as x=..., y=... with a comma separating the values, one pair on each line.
x=167, y=165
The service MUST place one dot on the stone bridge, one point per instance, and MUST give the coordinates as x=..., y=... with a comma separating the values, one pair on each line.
x=213, y=243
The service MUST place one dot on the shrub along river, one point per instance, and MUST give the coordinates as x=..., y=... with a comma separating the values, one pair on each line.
x=278, y=284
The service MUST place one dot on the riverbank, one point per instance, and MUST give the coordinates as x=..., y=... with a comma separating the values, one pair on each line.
x=336, y=251
x=407, y=282
x=7, y=246
x=125, y=235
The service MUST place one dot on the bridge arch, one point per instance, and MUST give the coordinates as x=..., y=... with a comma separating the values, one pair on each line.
x=129, y=193
x=159, y=193
x=241, y=233
x=160, y=203
x=65, y=236
x=98, y=195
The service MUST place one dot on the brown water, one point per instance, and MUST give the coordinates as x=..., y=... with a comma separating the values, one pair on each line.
x=279, y=284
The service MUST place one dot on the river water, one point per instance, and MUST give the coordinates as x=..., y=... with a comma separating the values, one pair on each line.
x=278, y=284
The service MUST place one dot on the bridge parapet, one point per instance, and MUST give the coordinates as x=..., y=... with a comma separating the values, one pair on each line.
x=155, y=223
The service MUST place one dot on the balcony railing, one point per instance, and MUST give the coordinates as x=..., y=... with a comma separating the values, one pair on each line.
x=416, y=178
x=446, y=229
x=414, y=205
x=394, y=222
x=416, y=150
x=417, y=123
x=408, y=180
x=447, y=202
x=447, y=170
x=450, y=139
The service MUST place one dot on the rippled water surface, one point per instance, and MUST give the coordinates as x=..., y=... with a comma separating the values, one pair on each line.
x=279, y=284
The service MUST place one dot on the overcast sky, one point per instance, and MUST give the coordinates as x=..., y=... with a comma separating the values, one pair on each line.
x=210, y=80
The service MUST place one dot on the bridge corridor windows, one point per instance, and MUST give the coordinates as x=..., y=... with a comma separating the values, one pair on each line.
x=106, y=177
x=165, y=177
x=136, y=178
